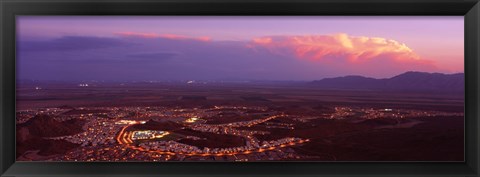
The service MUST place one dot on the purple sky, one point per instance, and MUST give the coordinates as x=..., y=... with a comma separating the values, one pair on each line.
x=272, y=48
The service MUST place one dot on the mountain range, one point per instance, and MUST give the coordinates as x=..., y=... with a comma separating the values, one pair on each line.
x=409, y=81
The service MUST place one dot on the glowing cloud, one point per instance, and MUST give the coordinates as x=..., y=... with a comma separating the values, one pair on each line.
x=324, y=47
x=166, y=36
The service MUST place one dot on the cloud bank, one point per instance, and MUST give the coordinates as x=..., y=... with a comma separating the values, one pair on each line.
x=151, y=56
x=166, y=36
x=324, y=47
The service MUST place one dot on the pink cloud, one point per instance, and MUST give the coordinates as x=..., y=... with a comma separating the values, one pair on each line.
x=166, y=36
x=370, y=56
x=323, y=47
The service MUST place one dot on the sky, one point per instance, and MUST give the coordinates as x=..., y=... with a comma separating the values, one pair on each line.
x=158, y=48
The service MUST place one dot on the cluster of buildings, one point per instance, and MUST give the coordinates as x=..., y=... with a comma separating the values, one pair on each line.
x=118, y=153
x=98, y=131
x=279, y=125
x=148, y=134
x=342, y=113
x=176, y=148
x=372, y=113
x=99, y=140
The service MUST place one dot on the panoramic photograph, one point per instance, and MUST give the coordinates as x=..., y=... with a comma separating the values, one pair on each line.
x=239, y=89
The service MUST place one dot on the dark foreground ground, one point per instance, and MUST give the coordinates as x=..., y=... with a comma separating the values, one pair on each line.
x=341, y=125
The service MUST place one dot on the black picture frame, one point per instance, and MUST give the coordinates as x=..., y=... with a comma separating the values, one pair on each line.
x=470, y=9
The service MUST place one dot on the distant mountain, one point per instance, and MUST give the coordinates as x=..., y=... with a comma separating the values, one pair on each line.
x=409, y=81
x=350, y=82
